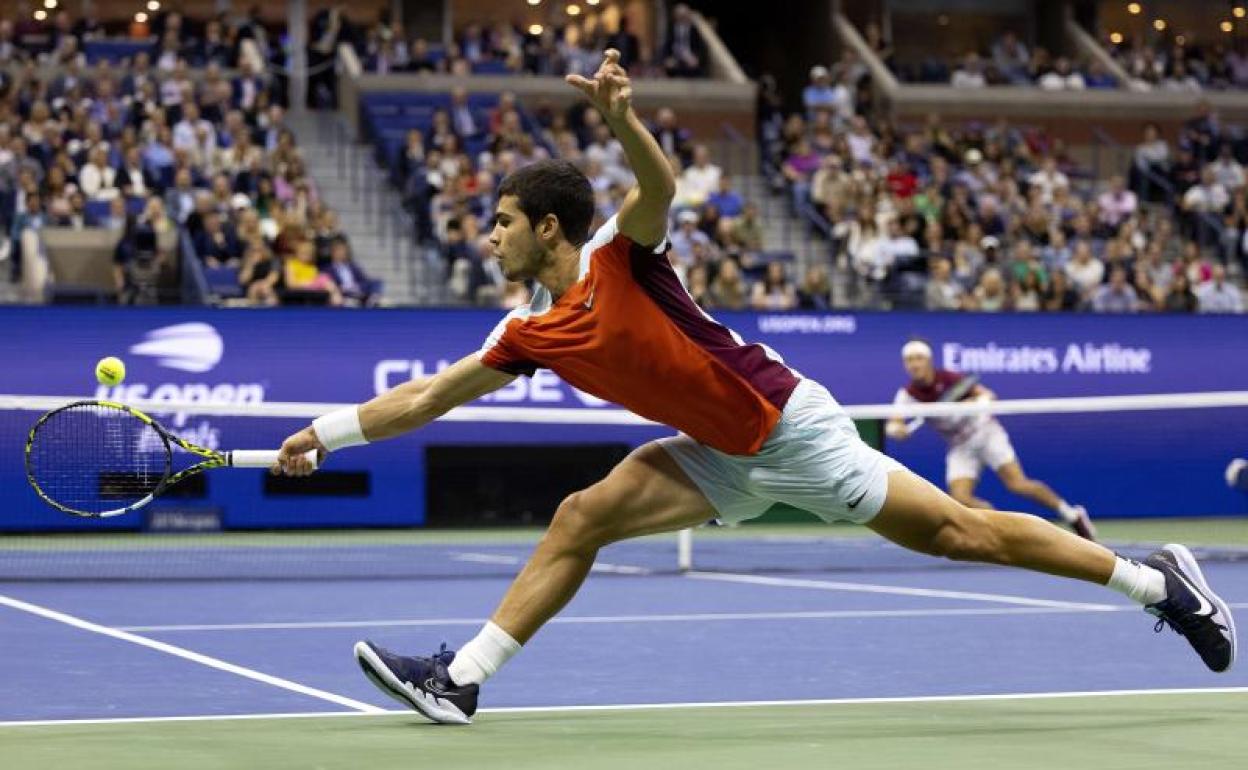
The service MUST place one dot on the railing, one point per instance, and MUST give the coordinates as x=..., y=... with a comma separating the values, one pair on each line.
x=190, y=272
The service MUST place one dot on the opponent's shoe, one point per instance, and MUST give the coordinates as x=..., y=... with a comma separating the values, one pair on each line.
x=1082, y=524
x=1192, y=609
x=419, y=683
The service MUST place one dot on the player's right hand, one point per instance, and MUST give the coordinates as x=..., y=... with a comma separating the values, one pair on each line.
x=290, y=458
x=610, y=89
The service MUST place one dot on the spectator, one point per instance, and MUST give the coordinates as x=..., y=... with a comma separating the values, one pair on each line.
x=1062, y=77
x=727, y=201
x=671, y=137
x=1117, y=204
x=746, y=232
x=97, y=178
x=1208, y=197
x=1181, y=80
x=728, y=289
x=898, y=248
x=463, y=119
x=260, y=276
x=627, y=43
x=687, y=239
x=701, y=178
x=815, y=291
x=820, y=94
x=1098, y=78
x=942, y=291
x=1227, y=171
x=300, y=275
x=684, y=51
x=1180, y=299
x=1060, y=295
x=1151, y=157
x=349, y=277
x=699, y=286
x=970, y=74
x=1117, y=296
x=1048, y=179
x=1011, y=58
x=775, y=291
x=1084, y=270
x=990, y=293
x=217, y=245
x=799, y=167
x=1216, y=295
x=1026, y=294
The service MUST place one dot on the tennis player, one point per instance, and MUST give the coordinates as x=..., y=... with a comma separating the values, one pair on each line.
x=974, y=441
x=610, y=317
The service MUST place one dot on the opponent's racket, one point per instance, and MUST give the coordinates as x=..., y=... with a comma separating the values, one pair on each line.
x=956, y=393
x=101, y=458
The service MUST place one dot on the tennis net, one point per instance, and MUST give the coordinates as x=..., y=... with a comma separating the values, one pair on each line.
x=441, y=504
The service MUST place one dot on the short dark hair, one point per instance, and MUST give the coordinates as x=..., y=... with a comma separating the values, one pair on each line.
x=553, y=187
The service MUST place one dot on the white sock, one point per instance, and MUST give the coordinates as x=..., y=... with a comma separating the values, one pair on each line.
x=1066, y=511
x=482, y=657
x=1140, y=582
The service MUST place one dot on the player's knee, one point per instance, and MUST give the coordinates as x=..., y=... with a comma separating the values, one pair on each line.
x=577, y=525
x=968, y=534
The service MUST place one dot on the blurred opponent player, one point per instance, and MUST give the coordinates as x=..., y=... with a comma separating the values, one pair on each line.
x=974, y=441
x=610, y=317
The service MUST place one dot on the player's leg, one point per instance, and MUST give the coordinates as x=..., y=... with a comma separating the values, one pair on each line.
x=998, y=454
x=962, y=468
x=963, y=490
x=646, y=493
x=917, y=515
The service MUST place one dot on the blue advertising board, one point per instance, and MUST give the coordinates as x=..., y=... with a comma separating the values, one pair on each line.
x=1116, y=464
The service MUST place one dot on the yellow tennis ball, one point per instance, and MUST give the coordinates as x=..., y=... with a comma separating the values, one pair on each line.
x=110, y=371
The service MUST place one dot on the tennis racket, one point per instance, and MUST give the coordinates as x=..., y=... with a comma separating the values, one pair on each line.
x=100, y=458
x=956, y=393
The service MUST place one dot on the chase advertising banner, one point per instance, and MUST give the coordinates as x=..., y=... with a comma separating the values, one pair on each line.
x=1153, y=464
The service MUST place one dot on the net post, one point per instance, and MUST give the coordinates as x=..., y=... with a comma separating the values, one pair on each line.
x=684, y=550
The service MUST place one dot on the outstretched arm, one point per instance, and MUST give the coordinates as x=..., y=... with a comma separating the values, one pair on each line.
x=409, y=406
x=643, y=215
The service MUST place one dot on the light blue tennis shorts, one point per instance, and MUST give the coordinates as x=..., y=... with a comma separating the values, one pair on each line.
x=813, y=460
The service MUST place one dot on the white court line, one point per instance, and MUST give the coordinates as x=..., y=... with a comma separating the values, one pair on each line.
x=700, y=617
x=870, y=588
x=220, y=665
x=1022, y=696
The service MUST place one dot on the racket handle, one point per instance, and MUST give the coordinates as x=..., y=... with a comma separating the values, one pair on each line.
x=261, y=458
x=915, y=424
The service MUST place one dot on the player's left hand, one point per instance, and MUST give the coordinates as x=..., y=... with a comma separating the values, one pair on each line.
x=610, y=89
x=290, y=458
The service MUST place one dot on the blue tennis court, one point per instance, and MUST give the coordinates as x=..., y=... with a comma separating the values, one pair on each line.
x=83, y=651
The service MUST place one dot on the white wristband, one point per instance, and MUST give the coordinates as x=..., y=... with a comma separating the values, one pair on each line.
x=340, y=428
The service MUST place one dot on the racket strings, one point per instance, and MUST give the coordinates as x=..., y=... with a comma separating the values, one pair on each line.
x=94, y=458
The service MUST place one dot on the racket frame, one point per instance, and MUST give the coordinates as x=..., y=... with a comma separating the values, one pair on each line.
x=211, y=458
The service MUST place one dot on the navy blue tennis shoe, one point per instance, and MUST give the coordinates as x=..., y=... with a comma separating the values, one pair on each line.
x=1192, y=609
x=423, y=684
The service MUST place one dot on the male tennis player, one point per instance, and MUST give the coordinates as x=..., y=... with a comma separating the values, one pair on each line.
x=611, y=318
x=974, y=441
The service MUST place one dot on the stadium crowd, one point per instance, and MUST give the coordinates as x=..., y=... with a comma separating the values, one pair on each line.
x=452, y=195
x=1008, y=61
x=510, y=48
x=153, y=150
x=1182, y=63
x=996, y=217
